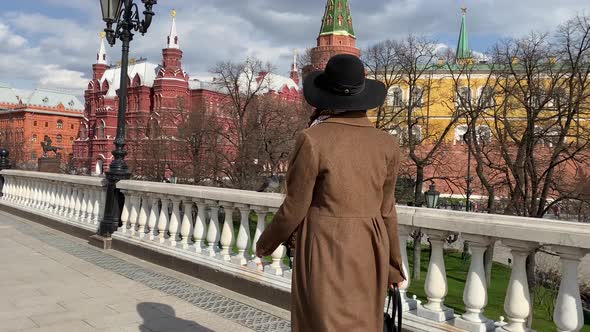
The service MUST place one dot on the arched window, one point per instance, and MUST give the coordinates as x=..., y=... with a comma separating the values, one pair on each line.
x=34, y=123
x=34, y=139
x=460, y=131
x=60, y=124
x=83, y=132
x=484, y=134
x=417, y=95
x=59, y=139
x=487, y=98
x=463, y=97
x=395, y=96
x=71, y=140
x=101, y=130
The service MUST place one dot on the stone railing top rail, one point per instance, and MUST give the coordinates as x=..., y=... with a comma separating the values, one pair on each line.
x=73, y=179
x=546, y=232
x=246, y=197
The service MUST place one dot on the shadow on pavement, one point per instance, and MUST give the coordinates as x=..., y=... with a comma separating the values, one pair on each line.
x=154, y=321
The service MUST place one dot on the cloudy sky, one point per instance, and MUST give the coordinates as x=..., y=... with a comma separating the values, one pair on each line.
x=53, y=43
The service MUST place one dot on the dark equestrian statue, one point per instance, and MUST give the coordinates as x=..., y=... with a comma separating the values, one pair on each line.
x=47, y=147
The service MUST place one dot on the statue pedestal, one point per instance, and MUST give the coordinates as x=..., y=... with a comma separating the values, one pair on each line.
x=49, y=165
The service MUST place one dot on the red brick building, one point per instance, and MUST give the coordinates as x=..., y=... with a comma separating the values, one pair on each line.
x=26, y=118
x=156, y=92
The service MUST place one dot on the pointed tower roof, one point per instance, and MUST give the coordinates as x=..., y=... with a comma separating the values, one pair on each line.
x=294, y=65
x=173, y=36
x=337, y=19
x=463, y=51
x=101, y=56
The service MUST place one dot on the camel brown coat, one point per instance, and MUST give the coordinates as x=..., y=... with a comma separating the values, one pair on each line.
x=340, y=199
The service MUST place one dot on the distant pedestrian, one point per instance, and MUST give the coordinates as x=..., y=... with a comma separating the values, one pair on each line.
x=340, y=202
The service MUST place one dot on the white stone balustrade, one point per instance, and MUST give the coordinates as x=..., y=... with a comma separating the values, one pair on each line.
x=184, y=221
x=68, y=198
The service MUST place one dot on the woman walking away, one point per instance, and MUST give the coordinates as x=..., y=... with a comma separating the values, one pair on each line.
x=340, y=201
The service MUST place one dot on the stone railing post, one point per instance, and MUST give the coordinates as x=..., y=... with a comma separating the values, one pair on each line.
x=403, y=233
x=261, y=213
x=243, y=241
x=227, y=234
x=134, y=204
x=163, y=220
x=517, y=303
x=435, y=285
x=200, y=229
x=475, y=294
x=125, y=212
x=213, y=234
x=152, y=224
x=143, y=215
x=174, y=221
x=568, y=314
x=187, y=224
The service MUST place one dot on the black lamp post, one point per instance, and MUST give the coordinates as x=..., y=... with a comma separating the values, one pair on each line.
x=124, y=14
x=432, y=196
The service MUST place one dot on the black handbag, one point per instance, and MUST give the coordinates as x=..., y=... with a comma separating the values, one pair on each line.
x=393, y=296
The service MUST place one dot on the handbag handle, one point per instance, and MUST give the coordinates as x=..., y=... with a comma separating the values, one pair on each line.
x=395, y=296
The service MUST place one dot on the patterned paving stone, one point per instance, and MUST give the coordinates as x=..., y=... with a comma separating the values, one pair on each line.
x=201, y=298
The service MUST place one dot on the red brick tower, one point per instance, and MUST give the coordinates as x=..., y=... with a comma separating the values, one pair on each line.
x=336, y=35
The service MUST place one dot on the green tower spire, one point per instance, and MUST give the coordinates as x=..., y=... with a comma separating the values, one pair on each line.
x=463, y=51
x=337, y=19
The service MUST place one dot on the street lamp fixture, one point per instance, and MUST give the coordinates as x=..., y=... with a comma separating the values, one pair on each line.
x=124, y=15
x=432, y=196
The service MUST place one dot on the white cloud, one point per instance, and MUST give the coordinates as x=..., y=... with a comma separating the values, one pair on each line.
x=57, y=49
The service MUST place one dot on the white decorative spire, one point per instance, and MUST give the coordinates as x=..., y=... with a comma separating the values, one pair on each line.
x=101, y=57
x=295, y=60
x=173, y=36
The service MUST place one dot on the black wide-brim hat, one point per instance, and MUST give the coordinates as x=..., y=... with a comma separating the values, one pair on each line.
x=342, y=86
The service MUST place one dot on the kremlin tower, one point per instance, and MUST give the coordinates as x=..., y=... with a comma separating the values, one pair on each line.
x=336, y=35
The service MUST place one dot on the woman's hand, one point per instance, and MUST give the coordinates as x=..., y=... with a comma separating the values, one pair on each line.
x=259, y=253
x=399, y=285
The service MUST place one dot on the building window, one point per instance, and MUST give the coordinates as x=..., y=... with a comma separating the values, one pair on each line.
x=72, y=126
x=59, y=139
x=487, y=99
x=464, y=97
x=395, y=97
x=34, y=138
x=34, y=123
x=46, y=124
x=60, y=124
x=101, y=130
x=417, y=94
x=71, y=140
x=34, y=156
x=84, y=132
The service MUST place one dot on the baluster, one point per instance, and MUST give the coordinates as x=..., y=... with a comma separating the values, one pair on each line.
x=403, y=234
x=261, y=213
x=7, y=188
x=227, y=233
x=213, y=234
x=84, y=204
x=32, y=194
x=153, y=219
x=90, y=205
x=517, y=302
x=52, y=195
x=435, y=285
x=475, y=295
x=243, y=241
x=46, y=195
x=29, y=195
x=77, y=202
x=200, y=229
x=97, y=206
x=62, y=198
x=125, y=212
x=134, y=203
x=187, y=223
x=568, y=314
x=277, y=267
x=26, y=193
x=163, y=221
x=174, y=221
x=40, y=185
x=143, y=216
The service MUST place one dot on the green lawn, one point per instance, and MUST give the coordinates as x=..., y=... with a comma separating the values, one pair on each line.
x=456, y=275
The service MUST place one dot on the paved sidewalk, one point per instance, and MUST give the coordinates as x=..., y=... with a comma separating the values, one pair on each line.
x=50, y=281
